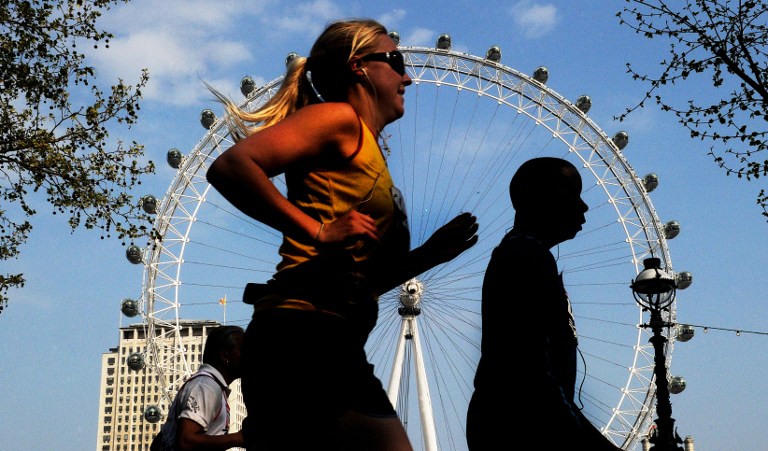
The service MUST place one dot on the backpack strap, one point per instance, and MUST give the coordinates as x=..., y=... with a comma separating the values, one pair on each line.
x=194, y=376
x=223, y=392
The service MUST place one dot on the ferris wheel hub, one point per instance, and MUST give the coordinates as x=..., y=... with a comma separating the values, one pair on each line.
x=410, y=293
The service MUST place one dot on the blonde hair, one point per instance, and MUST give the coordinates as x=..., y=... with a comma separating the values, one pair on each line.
x=328, y=64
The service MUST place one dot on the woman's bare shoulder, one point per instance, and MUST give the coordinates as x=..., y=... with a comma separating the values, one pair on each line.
x=332, y=125
x=329, y=115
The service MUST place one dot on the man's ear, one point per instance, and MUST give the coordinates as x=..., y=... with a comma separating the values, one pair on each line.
x=224, y=356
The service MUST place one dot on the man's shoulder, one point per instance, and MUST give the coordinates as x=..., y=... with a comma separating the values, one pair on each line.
x=201, y=380
x=522, y=247
x=210, y=372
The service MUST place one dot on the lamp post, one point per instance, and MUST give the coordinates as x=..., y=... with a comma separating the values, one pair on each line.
x=654, y=291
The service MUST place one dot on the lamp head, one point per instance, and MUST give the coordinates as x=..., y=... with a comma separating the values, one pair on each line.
x=653, y=287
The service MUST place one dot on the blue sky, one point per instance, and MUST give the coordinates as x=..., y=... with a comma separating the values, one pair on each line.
x=55, y=329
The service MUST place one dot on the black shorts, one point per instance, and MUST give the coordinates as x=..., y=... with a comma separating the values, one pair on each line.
x=302, y=370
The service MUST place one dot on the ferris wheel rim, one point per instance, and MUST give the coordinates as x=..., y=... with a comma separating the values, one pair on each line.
x=178, y=209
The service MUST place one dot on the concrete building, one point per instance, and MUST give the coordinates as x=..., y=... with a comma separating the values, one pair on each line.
x=126, y=394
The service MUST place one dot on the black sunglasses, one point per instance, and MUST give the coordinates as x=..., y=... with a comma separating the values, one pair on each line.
x=393, y=58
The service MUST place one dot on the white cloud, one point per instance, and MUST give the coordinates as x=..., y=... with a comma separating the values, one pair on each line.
x=419, y=37
x=184, y=16
x=534, y=19
x=180, y=43
x=175, y=64
x=185, y=42
x=308, y=17
x=392, y=19
x=320, y=9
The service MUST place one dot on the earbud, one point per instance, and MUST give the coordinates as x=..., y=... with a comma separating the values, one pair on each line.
x=358, y=69
x=312, y=85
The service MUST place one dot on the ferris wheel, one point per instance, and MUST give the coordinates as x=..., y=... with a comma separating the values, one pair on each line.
x=470, y=122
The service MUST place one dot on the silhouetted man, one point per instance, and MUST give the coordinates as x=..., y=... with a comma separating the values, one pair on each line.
x=525, y=380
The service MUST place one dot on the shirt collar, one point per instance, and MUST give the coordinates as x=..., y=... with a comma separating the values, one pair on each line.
x=210, y=369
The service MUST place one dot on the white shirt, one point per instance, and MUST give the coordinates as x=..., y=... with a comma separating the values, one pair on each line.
x=202, y=399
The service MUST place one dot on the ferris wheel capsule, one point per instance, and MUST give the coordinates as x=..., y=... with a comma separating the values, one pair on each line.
x=207, y=118
x=395, y=36
x=149, y=204
x=152, y=414
x=129, y=307
x=135, y=361
x=134, y=254
x=493, y=54
x=650, y=182
x=584, y=103
x=541, y=74
x=683, y=280
x=676, y=385
x=290, y=57
x=444, y=42
x=247, y=85
x=174, y=157
x=671, y=229
x=621, y=139
x=684, y=332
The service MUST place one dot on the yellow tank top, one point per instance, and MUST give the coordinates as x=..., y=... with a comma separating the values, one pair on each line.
x=363, y=183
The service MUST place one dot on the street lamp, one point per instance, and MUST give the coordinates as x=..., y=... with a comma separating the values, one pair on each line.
x=654, y=291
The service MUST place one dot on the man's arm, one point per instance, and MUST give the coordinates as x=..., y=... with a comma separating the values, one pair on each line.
x=191, y=437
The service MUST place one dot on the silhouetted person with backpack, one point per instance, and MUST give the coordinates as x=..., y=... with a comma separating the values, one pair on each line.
x=199, y=417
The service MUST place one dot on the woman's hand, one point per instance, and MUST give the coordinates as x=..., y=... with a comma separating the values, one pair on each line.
x=450, y=240
x=348, y=229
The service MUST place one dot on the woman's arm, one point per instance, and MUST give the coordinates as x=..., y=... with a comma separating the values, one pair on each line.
x=444, y=245
x=313, y=136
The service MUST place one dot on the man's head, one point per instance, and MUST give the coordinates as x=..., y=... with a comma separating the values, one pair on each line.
x=546, y=195
x=222, y=349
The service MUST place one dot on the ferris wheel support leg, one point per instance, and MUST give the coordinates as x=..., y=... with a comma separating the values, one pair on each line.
x=397, y=367
x=425, y=400
x=408, y=332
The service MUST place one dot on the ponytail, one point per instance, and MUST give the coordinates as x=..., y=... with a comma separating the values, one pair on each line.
x=324, y=76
